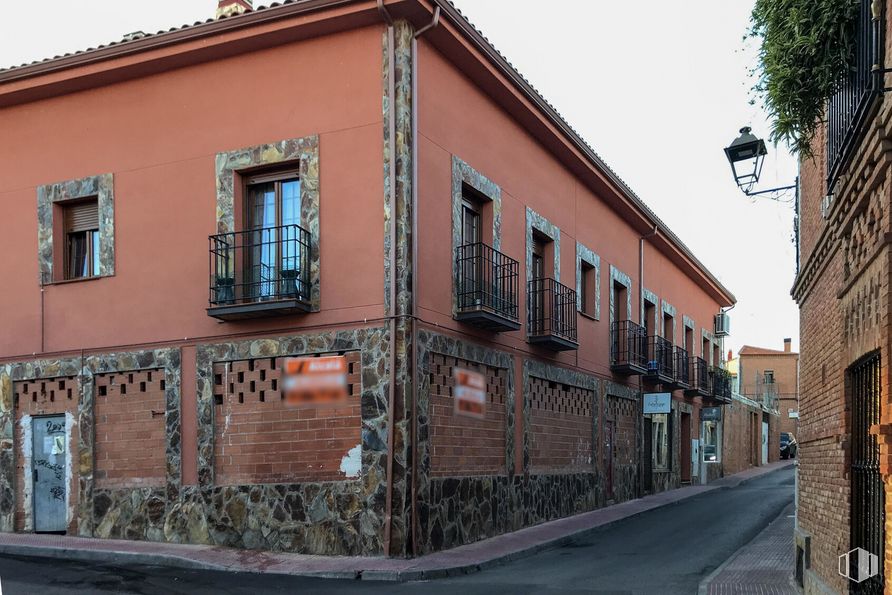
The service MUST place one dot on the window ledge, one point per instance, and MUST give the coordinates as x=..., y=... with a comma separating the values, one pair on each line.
x=587, y=315
x=78, y=280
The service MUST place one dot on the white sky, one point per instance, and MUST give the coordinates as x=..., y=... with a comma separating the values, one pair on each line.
x=657, y=87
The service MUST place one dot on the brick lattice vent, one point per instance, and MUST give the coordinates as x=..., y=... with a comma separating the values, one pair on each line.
x=460, y=445
x=561, y=427
x=130, y=429
x=259, y=439
x=624, y=414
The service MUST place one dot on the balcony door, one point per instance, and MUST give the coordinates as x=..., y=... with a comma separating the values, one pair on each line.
x=473, y=291
x=537, y=299
x=273, y=214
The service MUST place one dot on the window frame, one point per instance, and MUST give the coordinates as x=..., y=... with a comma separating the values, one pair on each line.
x=91, y=241
x=588, y=289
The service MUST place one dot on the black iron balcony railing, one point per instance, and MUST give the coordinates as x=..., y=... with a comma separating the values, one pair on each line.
x=699, y=377
x=486, y=287
x=682, y=368
x=721, y=384
x=659, y=360
x=628, y=347
x=848, y=108
x=551, y=313
x=259, y=267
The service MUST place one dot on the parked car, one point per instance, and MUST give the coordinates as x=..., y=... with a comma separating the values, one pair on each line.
x=788, y=446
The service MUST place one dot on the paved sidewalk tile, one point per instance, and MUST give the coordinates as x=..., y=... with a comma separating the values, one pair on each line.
x=459, y=560
x=763, y=566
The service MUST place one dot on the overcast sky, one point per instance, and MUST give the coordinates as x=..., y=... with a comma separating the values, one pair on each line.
x=657, y=87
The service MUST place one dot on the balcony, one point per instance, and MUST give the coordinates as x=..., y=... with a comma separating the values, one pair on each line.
x=721, y=384
x=551, y=309
x=486, y=288
x=769, y=396
x=259, y=273
x=628, y=348
x=682, y=369
x=848, y=110
x=700, y=378
x=660, y=365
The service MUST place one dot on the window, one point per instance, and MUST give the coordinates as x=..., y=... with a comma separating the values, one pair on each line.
x=537, y=301
x=648, y=322
x=668, y=327
x=769, y=376
x=470, y=221
x=662, y=450
x=587, y=297
x=273, y=215
x=711, y=441
x=620, y=302
x=81, y=224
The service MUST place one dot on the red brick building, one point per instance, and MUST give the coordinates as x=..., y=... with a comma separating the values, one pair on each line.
x=843, y=293
x=389, y=190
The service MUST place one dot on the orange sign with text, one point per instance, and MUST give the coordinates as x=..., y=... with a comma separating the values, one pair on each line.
x=470, y=393
x=315, y=380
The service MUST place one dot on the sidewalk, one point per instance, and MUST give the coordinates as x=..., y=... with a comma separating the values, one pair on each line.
x=763, y=566
x=460, y=560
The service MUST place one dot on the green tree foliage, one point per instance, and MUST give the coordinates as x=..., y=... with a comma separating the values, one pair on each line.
x=807, y=50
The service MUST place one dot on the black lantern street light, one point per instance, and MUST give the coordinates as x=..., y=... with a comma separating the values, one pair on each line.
x=746, y=156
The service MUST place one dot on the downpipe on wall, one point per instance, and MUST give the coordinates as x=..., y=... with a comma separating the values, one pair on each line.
x=641, y=311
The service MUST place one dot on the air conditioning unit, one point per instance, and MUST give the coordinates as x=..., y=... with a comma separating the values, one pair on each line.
x=722, y=325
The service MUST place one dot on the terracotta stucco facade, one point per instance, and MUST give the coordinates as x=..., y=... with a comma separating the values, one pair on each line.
x=386, y=130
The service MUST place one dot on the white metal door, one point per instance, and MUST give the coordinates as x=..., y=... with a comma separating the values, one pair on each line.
x=50, y=460
x=764, y=442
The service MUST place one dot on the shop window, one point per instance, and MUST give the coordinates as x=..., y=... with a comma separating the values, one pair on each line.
x=712, y=442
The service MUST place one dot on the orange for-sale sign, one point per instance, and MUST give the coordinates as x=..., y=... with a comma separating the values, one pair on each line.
x=470, y=393
x=315, y=380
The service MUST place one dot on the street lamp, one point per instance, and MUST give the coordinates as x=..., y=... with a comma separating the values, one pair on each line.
x=746, y=156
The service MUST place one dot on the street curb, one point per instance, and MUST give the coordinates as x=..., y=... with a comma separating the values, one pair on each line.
x=111, y=557
x=464, y=569
x=108, y=557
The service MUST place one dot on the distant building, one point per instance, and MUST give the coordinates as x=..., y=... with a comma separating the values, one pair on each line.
x=772, y=377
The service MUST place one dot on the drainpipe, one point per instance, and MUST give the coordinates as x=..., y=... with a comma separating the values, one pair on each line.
x=641, y=239
x=414, y=321
x=391, y=126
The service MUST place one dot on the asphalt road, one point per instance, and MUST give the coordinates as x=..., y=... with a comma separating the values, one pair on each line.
x=664, y=551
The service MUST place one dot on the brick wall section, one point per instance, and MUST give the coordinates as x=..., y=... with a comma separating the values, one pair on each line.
x=741, y=437
x=624, y=413
x=561, y=427
x=823, y=474
x=258, y=439
x=462, y=445
x=54, y=396
x=130, y=429
x=813, y=185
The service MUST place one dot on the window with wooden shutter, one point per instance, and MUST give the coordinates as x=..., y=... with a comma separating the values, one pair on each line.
x=81, y=222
